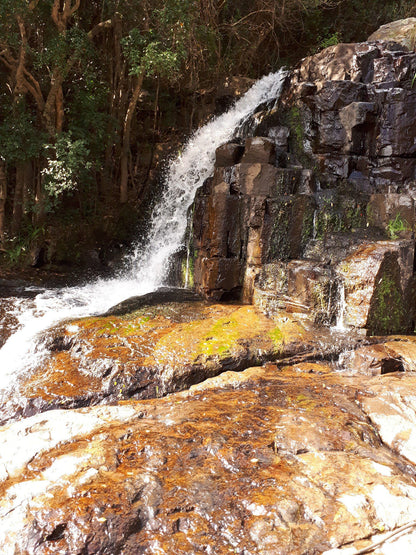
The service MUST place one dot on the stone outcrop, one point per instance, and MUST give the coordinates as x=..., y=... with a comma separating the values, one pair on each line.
x=318, y=207
x=263, y=461
x=153, y=351
x=402, y=31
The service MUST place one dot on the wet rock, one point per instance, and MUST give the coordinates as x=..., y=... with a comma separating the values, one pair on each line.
x=343, y=130
x=371, y=360
x=228, y=154
x=259, y=150
x=150, y=353
x=161, y=295
x=263, y=461
x=394, y=213
x=377, y=278
x=300, y=286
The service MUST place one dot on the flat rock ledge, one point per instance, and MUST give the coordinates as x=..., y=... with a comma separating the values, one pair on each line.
x=289, y=461
x=153, y=351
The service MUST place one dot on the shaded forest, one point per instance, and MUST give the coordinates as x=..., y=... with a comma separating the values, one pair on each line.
x=95, y=94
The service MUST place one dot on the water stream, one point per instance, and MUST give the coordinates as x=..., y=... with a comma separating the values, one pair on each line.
x=147, y=266
x=340, y=323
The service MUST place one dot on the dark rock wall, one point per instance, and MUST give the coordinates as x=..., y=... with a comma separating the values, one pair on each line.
x=322, y=194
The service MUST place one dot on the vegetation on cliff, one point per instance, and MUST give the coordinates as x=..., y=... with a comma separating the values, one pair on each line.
x=92, y=95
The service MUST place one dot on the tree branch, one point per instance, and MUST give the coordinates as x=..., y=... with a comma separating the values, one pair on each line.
x=5, y=61
x=249, y=15
x=99, y=27
x=33, y=4
x=75, y=7
x=55, y=13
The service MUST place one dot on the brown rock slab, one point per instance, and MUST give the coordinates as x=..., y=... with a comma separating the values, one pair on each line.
x=260, y=461
x=377, y=277
x=154, y=351
x=402, y=31
x=398, y=355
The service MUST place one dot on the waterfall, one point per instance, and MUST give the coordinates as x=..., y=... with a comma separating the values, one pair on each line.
x=147, y=265
x=340, y=324
x=186, y=174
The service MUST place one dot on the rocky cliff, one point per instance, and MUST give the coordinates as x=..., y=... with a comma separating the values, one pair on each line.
x=317, y=208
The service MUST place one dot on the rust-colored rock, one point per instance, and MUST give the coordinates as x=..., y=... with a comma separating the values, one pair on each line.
x=264, y=461
x=152, y=352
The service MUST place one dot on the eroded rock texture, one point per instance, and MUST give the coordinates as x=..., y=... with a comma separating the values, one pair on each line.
x=151, y=352
x=318, y=207
x=264, y=461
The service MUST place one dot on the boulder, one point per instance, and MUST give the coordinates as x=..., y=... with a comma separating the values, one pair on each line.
x=402, y=31
x=228, y=154
x=377, y=278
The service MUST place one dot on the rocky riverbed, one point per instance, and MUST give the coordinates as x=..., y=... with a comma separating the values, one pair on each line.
x=306, y=452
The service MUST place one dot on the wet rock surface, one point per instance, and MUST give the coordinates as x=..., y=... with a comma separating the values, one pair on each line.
x=155, y=350
x=161, y=295
x=263, y=461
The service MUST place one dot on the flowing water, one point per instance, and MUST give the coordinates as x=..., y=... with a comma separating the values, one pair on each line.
x=340, y=323
x=147, y=265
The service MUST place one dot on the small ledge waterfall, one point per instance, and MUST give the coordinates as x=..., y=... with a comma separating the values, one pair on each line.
x=147, y=265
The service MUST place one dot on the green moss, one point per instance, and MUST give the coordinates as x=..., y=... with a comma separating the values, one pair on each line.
x=220, y=339
x=387, y=307
x=307, y=227
x=296, y=127
x=121, y=327
x=276, y=336
x=395, y=226
x=187, y=271
x=279, y=246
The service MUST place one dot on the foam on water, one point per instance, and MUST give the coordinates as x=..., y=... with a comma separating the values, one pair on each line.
x=147, y=266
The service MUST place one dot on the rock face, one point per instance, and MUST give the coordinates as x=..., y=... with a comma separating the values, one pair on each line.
x=156, y=350
x=264, y=461
x=318, y=207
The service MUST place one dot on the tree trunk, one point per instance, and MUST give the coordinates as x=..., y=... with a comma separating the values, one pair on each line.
x=40, y=202
x=125, y=147
x=23, y=177
x=3, y=197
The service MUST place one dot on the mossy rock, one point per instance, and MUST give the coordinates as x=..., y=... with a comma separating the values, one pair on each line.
x=387, y=312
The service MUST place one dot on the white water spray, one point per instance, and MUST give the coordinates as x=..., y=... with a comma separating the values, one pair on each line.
x=340, y=324
x=186, y=174
x=148, y=265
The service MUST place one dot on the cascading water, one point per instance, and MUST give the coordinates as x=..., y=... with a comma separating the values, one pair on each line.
x=147, y=266
x=340, y=324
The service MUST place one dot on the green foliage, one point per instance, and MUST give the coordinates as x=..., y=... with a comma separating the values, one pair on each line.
x=17, y=248
x=159, y=48
x=395, y=226
x=330, y=40
x=20, y=138
x=60, y=47
x=67, y=167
